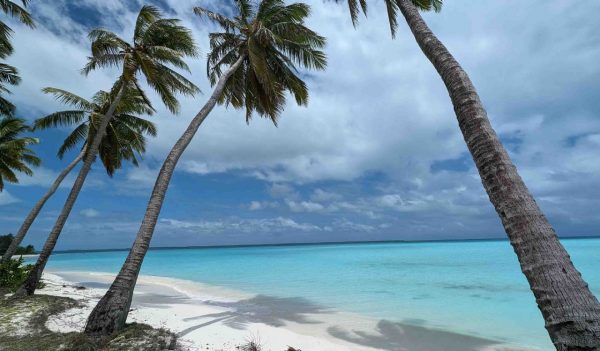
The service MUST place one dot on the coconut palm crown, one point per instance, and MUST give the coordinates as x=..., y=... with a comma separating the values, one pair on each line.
x=15, y=154
x=124, y=138
x=157, y=44
x=274, y=42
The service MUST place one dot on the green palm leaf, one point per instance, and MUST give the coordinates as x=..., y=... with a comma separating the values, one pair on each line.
x=275, y=45
x=358, y=6
x=125, y=135
x=157, y=44
x=15, y=154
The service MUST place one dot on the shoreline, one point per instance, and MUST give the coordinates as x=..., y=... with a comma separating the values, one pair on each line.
x=215, y=318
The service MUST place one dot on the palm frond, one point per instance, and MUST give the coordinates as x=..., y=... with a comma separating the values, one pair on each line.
x=157, y=44
x=275, y=46
x=69, y=98
x=15, y=154
x=225, y=23
x=13, y=10
x=148, y=15
x=357, y=6
x=78, y=136
x=60, y=119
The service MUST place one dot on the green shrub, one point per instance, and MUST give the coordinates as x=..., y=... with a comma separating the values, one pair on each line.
x=13, y=273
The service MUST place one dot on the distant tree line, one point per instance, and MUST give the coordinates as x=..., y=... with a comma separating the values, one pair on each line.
x=5, y=241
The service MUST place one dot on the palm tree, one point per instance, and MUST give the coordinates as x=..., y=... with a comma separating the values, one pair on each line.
x=9, y=74
x=252, y=65
x=571, y=311
x=124, y=139
x=15, y=154
x=157, y=44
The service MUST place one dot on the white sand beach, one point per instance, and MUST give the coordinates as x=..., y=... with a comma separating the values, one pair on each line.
x=211, y=318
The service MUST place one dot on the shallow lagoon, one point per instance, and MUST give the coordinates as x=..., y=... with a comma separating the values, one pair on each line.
x=470, y=287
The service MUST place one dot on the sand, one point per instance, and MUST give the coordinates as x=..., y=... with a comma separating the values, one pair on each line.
x=212, y=318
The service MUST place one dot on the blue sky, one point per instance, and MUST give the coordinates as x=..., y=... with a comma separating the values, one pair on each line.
x=376, y=155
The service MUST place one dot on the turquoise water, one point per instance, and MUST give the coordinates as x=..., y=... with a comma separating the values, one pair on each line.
x=473, y=287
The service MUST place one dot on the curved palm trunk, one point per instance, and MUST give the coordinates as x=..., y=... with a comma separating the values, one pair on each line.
x=571, y=311
x=111, y=312
x=38, y=207
x=32, y=280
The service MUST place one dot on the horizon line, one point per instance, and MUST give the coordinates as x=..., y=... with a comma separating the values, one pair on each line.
x=398, y=241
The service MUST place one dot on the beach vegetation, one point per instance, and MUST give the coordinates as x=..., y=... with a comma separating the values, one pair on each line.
x=23, y=328
x=158, y=46
x=571, y=311
x=13, y=273
x=253, y=63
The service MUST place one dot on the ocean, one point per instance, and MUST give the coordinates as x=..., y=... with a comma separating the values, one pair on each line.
x=468, y=287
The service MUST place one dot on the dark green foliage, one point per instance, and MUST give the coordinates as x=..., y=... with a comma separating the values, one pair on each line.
x=13, y=273
x=27, y=250
x=5, y=241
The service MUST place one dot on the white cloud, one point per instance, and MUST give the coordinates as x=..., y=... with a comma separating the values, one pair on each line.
x=305, y=206
x=261, y=205
x=89, y=213
x=283, y=191
x=265, y=225
x=6, y=198
x=379, y=109
x=321, y=195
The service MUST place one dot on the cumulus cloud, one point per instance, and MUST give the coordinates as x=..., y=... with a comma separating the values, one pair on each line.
x=305, y=206
x=241, y=225
x=6, y=198
x=379, y=142
x=89, y=213
x=261, y=205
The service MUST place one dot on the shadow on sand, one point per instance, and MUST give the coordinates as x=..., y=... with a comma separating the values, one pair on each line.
x=270, y=310
x=404, y=337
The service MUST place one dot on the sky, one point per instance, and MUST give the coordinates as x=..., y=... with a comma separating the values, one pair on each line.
x=376, y=155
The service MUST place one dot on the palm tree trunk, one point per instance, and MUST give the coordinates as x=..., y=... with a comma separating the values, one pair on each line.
x=28, y=287
x=571, y=311
x=111, y=312
x=38, y=207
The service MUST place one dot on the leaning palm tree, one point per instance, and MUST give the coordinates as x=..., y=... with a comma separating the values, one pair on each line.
x=252, y=65
x=9, y=74
x=15, y=154
x=157, y=44
x=124, y=140
x=571, y=311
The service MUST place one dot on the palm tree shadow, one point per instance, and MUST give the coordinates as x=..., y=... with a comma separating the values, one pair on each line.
x=270, y=310
x=404, y=337
x=159, y=300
